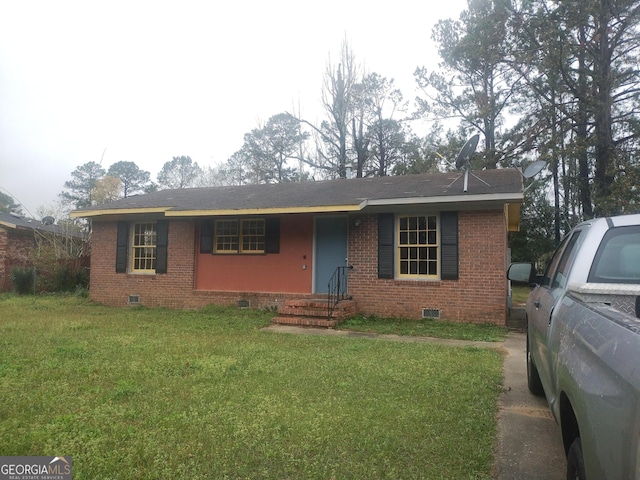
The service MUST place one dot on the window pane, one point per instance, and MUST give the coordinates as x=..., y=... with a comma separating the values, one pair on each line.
x=226, y=236
x=253, y=235
x=417, y=245
x=618, y=257
x=404, y=268
x=433, y=268
x=240, y=236
x=143, y=252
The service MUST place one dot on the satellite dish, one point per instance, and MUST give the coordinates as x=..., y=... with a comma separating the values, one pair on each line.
x=464, y=157
x=534, y=169
x=48, y=220
x=463, y=161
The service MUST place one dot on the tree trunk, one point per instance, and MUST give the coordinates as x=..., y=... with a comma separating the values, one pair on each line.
x=604, y=148
x=584, y=191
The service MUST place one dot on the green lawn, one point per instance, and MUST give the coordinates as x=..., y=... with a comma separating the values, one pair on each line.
x=520, y=294
x=152, y=393
x=425, y=327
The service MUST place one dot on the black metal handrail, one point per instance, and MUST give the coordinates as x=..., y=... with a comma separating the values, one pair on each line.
x=337, y=288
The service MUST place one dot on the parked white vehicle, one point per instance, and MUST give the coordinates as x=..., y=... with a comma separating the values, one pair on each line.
x=583, y=345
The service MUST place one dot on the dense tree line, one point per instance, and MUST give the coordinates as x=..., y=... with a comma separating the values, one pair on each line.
x=556, y=81
x=538, y=79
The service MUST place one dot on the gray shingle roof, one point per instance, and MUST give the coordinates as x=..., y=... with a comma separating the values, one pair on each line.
x=19, y=222
x=504, y=185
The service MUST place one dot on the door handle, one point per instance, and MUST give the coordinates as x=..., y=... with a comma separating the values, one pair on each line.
x=537, y=304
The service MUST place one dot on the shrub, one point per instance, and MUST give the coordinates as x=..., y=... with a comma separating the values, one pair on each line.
x=22, y=280
x=63, y=277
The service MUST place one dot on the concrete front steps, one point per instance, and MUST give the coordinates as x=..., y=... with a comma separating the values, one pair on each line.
x=312, y=312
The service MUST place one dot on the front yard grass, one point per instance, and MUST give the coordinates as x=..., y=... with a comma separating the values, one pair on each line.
x=141, y=393
x=426, y=327
x=520, y=293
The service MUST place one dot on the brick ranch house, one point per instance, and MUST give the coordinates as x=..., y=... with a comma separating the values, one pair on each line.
x=418, y=245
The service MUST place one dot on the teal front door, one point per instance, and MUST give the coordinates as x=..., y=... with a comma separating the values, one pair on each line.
x=330, y=250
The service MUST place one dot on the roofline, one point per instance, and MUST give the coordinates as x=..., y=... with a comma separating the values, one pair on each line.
x=170, y=212
x=39, y=229
x=9, y=225
x=493, y=197
x=116, y=211
x=263, y=211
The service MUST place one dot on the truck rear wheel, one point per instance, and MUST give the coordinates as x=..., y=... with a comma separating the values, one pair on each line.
x=575, y=461
x=533, y=378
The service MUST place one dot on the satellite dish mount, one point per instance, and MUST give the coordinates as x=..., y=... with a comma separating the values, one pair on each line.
x=463, y=161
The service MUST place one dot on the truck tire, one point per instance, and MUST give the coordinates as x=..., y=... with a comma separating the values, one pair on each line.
x=533, y=378
x=575, y=461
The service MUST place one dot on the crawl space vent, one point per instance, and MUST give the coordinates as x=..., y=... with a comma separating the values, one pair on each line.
x=430, y=313
x=243, y=303
x=134, y=299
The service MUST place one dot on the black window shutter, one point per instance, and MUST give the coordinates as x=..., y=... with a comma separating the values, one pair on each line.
x=162, y=237
x=449, y=243
x=385, y=245
x=121, y=247
x=272, y=235
x=206, y=236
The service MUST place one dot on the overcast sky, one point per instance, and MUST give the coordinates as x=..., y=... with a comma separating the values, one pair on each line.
x=145, y=81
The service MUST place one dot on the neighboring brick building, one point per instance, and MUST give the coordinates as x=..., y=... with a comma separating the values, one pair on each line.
x=419, y=245
x=19, y=236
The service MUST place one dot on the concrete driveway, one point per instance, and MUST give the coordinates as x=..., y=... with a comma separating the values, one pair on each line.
x=529, y=444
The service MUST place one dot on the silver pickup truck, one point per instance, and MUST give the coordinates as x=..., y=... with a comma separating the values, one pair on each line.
x=583, y=345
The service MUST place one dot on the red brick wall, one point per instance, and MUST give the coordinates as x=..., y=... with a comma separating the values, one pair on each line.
x=4, y=284
x=478, y=296
x=16, y=247
x=175, y=289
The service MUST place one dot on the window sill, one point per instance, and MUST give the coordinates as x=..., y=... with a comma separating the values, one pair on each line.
x=417, y=281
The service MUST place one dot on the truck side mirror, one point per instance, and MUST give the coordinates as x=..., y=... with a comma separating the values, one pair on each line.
x=522, y=273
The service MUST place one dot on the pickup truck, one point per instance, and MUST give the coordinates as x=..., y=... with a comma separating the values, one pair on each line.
x=583, y=345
